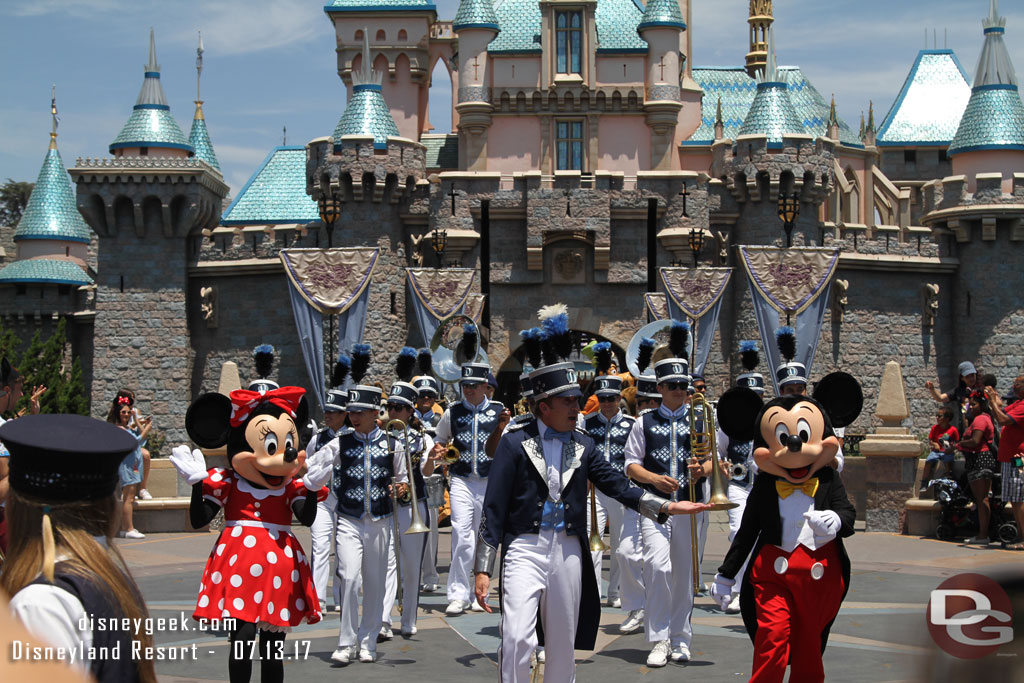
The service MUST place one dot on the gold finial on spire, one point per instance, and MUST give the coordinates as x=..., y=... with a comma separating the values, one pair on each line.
x=199, y=73
x=53, y=114
x=833, y=118
x=760, y=21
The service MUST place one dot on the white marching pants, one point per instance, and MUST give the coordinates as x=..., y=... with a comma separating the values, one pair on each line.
x=362, y=547
x=541, y=571
x=429, y=568
x=668, y=577
x=322, y=533
x=467, y=502
x=628, y=558
x=412, y=559
x=737, y=494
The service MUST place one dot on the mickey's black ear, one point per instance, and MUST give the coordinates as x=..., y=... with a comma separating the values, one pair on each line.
x=208, y=420
x=302, y=414
x=841, y=396
x=737, y=413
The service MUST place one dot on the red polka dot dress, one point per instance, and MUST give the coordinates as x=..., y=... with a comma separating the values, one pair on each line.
x=257, y=571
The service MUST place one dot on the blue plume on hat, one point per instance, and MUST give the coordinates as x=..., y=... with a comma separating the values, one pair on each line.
x=644, y=354
x=603, y=357
x=679, y=338
x=785, y=337
x=533, y=339
x=340, y=371
x=425, y=361
x=360, y=361
x=263, y=357
x=470, y=340
x=748, y=355
x=554, y=321
x=405, y=364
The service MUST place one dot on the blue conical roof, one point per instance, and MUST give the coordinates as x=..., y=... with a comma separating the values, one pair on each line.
x=46, y=271
x=994, y=118
x=772, y=114
x=199, y=138
x=475, y=14
x=151, y=123
x=367, y=114
x=661, y=13
x=51, y=212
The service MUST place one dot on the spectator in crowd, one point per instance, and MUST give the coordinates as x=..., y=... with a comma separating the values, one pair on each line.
x=958, y=395
x=11, y=384
x=941, y=438
x=976, y=446
x=1011, y=449
x=131, y=469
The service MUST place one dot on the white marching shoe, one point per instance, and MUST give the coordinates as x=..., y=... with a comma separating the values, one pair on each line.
x=680, y=653
x=455, y=608
x=659, y=655
x=633, y=623
x=343, y=655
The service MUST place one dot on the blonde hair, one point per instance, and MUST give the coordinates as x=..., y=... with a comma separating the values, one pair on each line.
x=74, y=526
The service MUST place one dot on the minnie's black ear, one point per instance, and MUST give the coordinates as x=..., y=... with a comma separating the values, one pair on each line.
x=208, y=420
x=737, y=413
x=841, y=396
x=302, y=414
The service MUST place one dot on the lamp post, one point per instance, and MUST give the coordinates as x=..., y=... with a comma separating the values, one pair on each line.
x=789, y=211
x=330, y=211
x=440, y=243
x=696, y=239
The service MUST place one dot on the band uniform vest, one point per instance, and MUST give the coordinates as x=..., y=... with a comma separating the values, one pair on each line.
x=473, y=427
x=661, y=440
x=366, y=472
x=610, y=437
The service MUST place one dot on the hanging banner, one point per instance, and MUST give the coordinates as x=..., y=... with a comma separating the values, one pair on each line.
x=656, y=306
x=790, y=284
x=436, y=294
x=330, y=280
x=474, y=307
x=696, y=294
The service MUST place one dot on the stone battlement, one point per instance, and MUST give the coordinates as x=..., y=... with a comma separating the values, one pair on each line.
x=354, y=169
x=753, y=167
x=953, y=191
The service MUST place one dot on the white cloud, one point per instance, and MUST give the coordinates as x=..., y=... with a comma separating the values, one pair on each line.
x=236, y=27
x=37, y=8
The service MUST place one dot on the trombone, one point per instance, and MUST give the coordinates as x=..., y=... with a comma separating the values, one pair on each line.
x=416, y=526
x=703, y=445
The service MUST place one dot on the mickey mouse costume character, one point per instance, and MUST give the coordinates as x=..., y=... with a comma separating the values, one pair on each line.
x=257, y=572
x=796, y=517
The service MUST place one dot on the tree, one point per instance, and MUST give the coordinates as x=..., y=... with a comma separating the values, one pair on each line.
x=13, y=200
x=43, y=364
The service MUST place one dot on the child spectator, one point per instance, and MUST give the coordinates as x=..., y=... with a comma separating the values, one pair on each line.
x=941, y=438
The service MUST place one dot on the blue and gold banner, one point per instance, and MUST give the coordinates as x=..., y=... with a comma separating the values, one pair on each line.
x=695, y=294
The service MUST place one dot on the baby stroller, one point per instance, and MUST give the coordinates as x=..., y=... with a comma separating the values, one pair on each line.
x=958, y=517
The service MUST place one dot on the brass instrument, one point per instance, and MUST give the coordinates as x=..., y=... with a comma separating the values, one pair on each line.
x=597, y=544
x=447, y=353
x=451, y=454
x=522, y=407
x=703, y=444
x=738, y=470
x=416, y=526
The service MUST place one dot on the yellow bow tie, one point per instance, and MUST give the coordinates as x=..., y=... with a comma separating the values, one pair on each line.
x=784, y=488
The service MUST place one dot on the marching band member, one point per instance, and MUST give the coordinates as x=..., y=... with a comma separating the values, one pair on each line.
x=657, y=457
x=609, y=428
x=322, y=531
x=467, y=424
x=428, y=389
x=741, y=461
x=535, y=509
x=400, y=403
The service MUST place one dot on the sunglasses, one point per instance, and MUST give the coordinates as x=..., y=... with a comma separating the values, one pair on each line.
x=674, y=386
x=396, y=406
x=608, y=399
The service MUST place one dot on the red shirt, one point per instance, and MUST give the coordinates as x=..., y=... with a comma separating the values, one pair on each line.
x=1011, y=439
x=937, y=432
x=982, y=423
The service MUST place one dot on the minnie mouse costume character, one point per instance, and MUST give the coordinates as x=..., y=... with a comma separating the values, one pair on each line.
x=796, y=517
x=257, y=573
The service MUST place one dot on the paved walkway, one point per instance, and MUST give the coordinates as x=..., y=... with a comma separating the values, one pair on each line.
x=880, y=633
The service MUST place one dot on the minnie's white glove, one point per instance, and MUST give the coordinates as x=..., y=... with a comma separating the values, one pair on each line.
x=191, y=465
x=318, y=469
x=824, y=523
x=721, y=590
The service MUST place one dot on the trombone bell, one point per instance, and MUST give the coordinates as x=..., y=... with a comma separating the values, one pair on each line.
x=704, y=443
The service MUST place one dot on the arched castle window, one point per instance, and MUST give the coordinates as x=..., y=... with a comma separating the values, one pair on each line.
x=403, y=36
x=381, y=36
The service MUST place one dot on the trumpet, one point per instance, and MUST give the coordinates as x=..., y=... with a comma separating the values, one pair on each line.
x=738, y=470
x=416, y=526
x=703, y=445
x=597, y=544
x=451, y=454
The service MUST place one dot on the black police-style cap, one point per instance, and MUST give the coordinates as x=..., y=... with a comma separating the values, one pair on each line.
x=65, y=458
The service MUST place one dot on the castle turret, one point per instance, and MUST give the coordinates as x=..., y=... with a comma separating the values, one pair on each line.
x=990, y=137
x=760, y=21
x=772, y=113
x=476, y=25
x=198, y=137
x=366, y=112
x=151, y=130
x=661, y=27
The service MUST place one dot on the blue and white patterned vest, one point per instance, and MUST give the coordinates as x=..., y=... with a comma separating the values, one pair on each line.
x=322, y=438
x=471, y=428
x=739, y=453
x=659, y=439
x=610, y=437
x=416, y=444
x=429, y=420
x=366, y=472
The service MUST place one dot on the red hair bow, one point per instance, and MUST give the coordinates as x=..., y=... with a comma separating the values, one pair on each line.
x=124, y=400
x=243, y=402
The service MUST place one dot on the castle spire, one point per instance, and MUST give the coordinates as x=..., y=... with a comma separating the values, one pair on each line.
x=760, y=21
x=53, y=114
x=832, y=127
x=719, y=122
x=366, y=112
x=772, y=113
x=199, y=137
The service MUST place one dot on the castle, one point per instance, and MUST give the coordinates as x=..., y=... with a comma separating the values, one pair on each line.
x=588, y=149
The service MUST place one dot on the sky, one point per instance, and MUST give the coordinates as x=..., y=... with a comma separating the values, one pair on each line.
x=270, y=64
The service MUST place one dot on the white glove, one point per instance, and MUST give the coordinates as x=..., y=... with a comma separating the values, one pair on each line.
x=191, y=465
x=318, y=470
x=721, y=590
x=824, y=523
